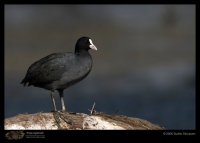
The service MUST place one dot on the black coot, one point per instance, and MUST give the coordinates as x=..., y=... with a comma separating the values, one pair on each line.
x=59, y=71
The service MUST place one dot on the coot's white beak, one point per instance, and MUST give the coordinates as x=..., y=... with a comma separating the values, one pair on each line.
x=92, y=46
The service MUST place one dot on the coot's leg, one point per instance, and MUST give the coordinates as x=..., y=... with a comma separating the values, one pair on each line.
x=55, y=112
x=62, y=115
x=62, y=100
x=53, y=100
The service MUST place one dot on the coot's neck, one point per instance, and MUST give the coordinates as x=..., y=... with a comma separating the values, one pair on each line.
x=81, y=50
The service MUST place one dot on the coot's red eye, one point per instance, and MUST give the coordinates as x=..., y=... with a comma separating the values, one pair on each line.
x=86, y=41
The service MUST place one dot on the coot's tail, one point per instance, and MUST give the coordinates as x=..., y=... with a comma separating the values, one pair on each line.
x=23, y=82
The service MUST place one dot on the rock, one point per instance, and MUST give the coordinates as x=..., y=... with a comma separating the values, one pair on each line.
x=80, y=121
x=98, y=123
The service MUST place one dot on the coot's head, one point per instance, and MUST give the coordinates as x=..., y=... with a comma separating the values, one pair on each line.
x=84, y=44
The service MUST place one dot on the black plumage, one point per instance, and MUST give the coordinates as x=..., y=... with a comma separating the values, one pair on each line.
x=59, y=71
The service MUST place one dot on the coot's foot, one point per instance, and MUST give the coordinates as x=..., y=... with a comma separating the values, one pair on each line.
x=62, y=116
x=56, y=117
x=57, y=114
x=64, y=111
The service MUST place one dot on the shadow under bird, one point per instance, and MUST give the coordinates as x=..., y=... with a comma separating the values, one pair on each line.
x=59, y=71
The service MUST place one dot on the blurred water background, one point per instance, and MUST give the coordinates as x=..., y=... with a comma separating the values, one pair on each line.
x=144, y=66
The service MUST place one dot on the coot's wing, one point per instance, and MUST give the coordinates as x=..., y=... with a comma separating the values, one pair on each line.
x=47, y=69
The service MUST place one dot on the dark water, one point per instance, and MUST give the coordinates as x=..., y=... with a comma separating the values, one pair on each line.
x=170, y=106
